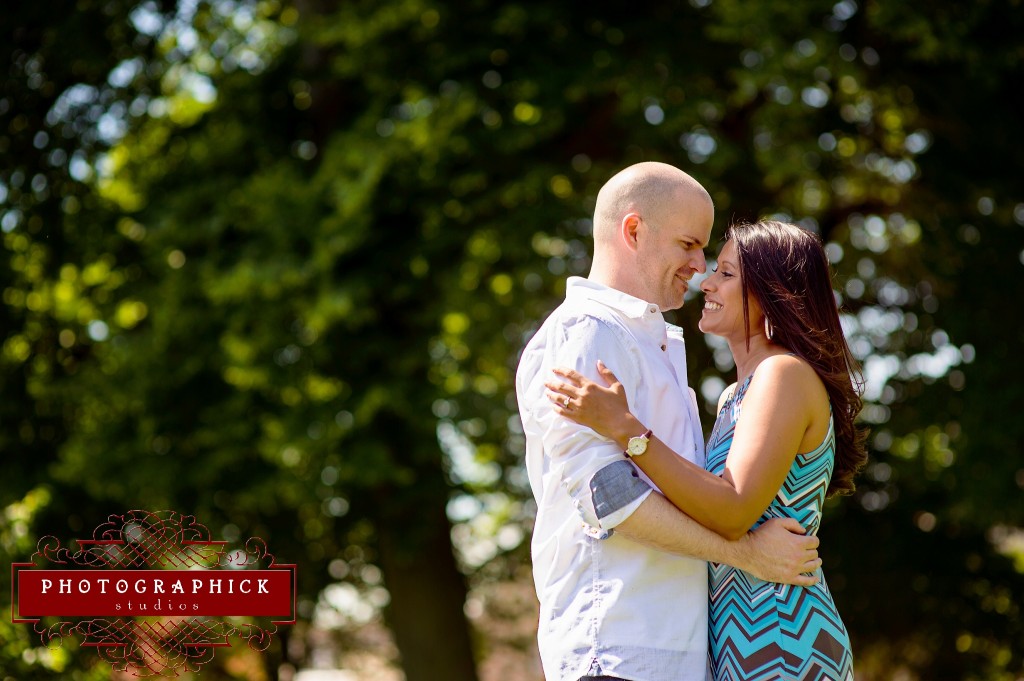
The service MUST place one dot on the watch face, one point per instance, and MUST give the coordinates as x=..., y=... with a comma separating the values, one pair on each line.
x=637, y=445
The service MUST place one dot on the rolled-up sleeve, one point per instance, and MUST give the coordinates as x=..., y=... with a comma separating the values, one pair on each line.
x=605, y=487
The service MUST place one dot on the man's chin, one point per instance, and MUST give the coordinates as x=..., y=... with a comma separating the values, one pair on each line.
x=672, y=305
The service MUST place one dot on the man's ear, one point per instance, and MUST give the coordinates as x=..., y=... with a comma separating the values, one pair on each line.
x=628, y=228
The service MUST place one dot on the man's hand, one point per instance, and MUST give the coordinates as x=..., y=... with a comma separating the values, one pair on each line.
x=779, y=551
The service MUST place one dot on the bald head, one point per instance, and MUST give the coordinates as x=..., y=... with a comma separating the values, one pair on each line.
x=651, y=224
x=651, y=190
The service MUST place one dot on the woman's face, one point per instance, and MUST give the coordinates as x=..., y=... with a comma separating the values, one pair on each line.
x=723, y=299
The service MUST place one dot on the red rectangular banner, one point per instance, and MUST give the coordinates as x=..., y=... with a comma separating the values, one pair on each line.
x=196, y=593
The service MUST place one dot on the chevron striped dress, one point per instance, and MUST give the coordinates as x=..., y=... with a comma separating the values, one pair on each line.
x=766, y=631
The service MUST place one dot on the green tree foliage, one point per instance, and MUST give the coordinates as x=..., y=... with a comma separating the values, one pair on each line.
x=272, y=263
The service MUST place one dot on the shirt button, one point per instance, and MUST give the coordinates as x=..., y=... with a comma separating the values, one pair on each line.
x=664, y=347
x=652, y=309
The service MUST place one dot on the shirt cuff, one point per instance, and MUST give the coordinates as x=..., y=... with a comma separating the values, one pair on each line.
x=617, y=490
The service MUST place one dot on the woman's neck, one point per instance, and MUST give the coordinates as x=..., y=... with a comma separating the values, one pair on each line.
x=747, y=360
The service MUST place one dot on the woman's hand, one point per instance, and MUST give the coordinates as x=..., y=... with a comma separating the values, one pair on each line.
x=603, y=409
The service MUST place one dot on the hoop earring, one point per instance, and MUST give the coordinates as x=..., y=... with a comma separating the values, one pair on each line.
x=769, y=331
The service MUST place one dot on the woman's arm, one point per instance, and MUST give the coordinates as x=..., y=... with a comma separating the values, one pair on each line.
x=777, y=411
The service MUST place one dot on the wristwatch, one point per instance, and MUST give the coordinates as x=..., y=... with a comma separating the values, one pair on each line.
x=638, y=445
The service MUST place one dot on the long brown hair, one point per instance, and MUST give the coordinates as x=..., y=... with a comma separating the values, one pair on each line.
x=786, y=270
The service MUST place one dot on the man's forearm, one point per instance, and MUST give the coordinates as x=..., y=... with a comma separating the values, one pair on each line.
x=777, y=552
x=658, y=524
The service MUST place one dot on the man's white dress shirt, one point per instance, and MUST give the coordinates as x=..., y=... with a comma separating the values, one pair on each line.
x=609, y=605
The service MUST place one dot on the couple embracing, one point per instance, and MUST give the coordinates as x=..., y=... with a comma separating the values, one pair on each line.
x=655, y=557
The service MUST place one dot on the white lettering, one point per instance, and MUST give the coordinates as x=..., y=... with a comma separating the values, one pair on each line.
x=157, y=586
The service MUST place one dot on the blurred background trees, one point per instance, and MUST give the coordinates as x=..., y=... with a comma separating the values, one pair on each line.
x=271, y=263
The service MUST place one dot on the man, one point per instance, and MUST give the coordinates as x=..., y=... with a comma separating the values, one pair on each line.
x=621, y=574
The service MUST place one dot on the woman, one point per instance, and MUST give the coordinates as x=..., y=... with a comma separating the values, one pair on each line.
x=771, y=298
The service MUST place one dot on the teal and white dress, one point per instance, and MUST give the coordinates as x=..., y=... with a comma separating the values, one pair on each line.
x=763, y=630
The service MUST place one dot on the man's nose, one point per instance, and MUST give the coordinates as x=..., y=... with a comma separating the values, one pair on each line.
x=700, y=264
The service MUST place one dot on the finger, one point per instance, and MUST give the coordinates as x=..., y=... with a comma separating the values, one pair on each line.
x=810, y=543
x=553, y=387
x=793, y=526
x=563, y=389
x=808, y=580
x=560, y=402
x=574, y=376
x=606, y=373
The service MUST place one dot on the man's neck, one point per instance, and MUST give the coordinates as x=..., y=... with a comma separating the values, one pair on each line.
x=617, y=277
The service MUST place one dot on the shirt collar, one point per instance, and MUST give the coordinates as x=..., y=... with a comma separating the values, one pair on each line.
x=578, y=288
